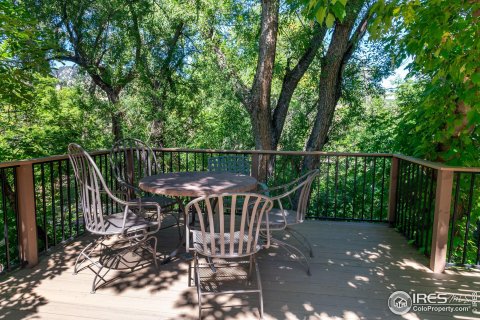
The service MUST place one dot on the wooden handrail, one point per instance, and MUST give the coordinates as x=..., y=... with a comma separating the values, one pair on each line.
x=437, y=165
x=17, y=163
x=425, y=163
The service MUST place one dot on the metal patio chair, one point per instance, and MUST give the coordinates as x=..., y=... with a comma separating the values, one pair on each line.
x=112, y=229
x=290, y=207
x=231, y=163
x=131, y=160
x=226, y=240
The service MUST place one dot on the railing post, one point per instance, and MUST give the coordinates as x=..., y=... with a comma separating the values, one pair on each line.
x=255, y=163
x=26, y=215
x=392, y=192
x=441, y=220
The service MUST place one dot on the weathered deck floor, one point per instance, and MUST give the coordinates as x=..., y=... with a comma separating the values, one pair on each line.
x=355, y=268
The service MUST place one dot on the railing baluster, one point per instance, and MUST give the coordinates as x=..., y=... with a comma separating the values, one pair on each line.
x=52, y=192
x=62, y=213
x=69, y=201
x=345, y=188
x=398, y=193
x=44, y=206
x=354, y=197
x=469, y=213
x=364, y=185
x=418, y=207
x=327, y=193
x=373, y=187
x=336, y=188
x=5, y=218
x=383, y=190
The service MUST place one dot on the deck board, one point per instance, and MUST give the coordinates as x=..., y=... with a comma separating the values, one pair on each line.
x=355, y=268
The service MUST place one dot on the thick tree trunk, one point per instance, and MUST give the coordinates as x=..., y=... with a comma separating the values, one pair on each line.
x=260, y=109
x=290, y=82
x=330, y=90
x=340, y=50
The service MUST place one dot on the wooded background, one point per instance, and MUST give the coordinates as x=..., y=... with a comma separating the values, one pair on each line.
x=282, y=75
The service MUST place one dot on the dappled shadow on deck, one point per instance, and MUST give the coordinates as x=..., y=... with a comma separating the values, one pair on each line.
x=355, y=268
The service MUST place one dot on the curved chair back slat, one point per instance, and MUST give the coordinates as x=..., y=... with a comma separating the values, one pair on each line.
x=90, y=184
x=297, y=193
x=131, y=160
x=302, y=206
x=222, y=234
x=233, y=164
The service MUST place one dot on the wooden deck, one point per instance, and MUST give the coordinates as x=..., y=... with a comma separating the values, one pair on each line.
x=355, y=268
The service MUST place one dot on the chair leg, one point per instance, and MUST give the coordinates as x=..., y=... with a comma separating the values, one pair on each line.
x=117, y=259
x=250, y=267
x=197, y=282
x=86, y=256
x=259, y=286
x=289, y=247
x=154, y=249
x=305, y=243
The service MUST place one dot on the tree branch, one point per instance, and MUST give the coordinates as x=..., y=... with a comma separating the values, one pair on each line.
x=240, y=89
x=292, y=78
x=358, y=34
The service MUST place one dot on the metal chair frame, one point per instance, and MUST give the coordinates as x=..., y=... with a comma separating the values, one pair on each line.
x=131, y=160
x=231, y=163
x=300, y=189
x=120, y=227
x=212, y=240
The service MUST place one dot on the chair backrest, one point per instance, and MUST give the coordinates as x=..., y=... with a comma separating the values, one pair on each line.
x=131, y=160
x=297, y=193
x=233, y=164
x=90, y=182
x=227, y=235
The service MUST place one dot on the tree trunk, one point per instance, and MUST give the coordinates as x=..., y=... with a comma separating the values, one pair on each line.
x=260, y=108
x=156, y=131
x=117, y=115
x=340, y=50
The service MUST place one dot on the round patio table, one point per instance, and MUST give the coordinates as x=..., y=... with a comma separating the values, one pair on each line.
x=195, y=184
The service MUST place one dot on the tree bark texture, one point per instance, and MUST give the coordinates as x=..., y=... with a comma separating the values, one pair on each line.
x=340, y=50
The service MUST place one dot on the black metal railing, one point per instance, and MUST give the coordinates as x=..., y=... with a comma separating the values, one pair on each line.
x=464, y=231
x=349, y=186
x=415, y=203
x=9, y=241
x=57, y=212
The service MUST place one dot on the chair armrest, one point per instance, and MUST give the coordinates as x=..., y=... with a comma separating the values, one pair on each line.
x=114, y=192
x=130, y=204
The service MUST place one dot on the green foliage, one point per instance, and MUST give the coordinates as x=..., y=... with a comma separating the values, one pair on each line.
x=24, y=47
x=46, y=124
x=324, y=11
x=441, y=39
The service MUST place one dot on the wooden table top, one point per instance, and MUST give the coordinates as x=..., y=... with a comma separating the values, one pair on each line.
x=196, y=184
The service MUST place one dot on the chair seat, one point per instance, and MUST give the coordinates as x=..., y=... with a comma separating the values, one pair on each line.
x=161, y=200
x=276, y=221
x=198, y=244
x=114, y=222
